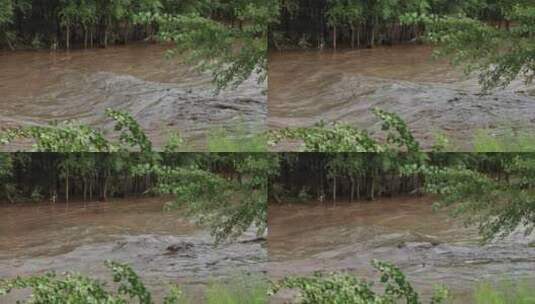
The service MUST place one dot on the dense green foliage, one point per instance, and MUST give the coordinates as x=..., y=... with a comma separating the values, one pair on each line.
x=107, y=21
x=6, y=171
x=342, y=288
x=76, y=288
x=58, y=177
x=323, y=138
x=366, y=23
x=59, y=23
x=355, y=22
x=346, y=176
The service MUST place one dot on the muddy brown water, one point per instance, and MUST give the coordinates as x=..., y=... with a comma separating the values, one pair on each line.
x=306, y=87
x=164, y=95
x=35, y=239
x=431, y=248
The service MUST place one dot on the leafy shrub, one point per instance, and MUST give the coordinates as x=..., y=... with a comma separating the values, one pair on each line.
x=131, y=133
x=338, y=288
x=75, y=288
x=341, y=137
x=62, y=137
x=72, y=137
x=322, y=138
x=37, y=195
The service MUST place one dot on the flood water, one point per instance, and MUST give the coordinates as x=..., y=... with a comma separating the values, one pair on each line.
x=306, y=87
x=80, y=238
x=38, y=87
x=431, y=248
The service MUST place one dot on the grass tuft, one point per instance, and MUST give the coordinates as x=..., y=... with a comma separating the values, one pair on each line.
x=505, y=292
x=242, y=290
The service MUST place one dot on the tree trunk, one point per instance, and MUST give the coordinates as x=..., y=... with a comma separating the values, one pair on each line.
x=104, y=196
x=125, y=185
x=334, y=38
x=90, y=188
x=106, y=30
x=126, y=34
x=334, y=191
x=358, y=38
x=68, y=37
x=106, y=38
x=85, y=37
x=67, y=186
x=417, y=184
x=358, y=190
x=372, y=187
x=105, y=190
x=85, y=189
x=352, y=189
x=321, y=191
x=372, y=39
x=352, y=37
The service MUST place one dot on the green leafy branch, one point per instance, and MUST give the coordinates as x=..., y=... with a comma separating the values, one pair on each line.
x=75, y=288
x=340, y=137
x=338, y=288
x=74, y=137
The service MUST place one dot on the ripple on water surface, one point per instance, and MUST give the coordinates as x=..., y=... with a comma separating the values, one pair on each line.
x=432, y=97
x=162, y=247
x=162, y=94
x=431, y=248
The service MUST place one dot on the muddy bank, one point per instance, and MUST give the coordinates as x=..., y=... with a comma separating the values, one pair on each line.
x=430, y=248
x=163, y=95
x=432, y=97
x=163, y=248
